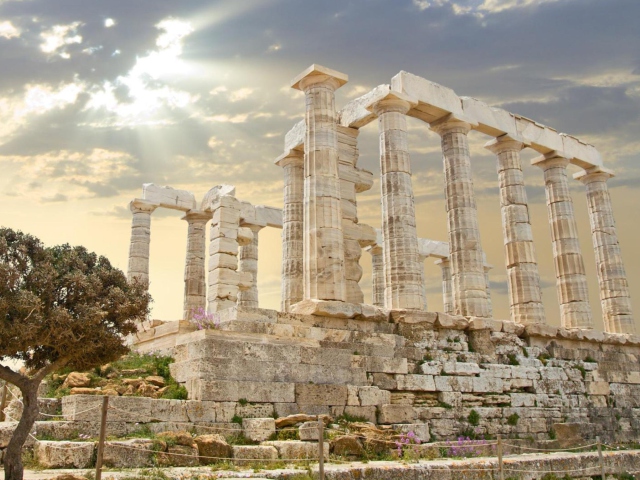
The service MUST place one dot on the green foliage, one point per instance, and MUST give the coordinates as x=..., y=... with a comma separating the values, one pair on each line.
x=513, y=419
x=544, y=358
x=237, y=419
x=243, y=401
x=582, y=370
x=240, y=439
x=445, y=405
x=427, y=357
x=176, y=392
x=590, y=359
x=473, y=418
x=287, y=434
x=513, y=359
x=346, y=418
x=525, y=352
x=552, y=434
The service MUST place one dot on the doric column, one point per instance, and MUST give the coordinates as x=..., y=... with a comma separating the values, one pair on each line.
x=248, y=262
x=522, y=269
x=292, y=227
x=324, y=269
x=195, y=287
x=447, y=297
x=140, y=240
x=467, y=265
x=403, y=269
x=377, y=275
x=487, y=268
x=612, y=278
x=571, y=280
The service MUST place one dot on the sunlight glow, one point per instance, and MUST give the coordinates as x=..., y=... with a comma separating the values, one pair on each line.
x=8, y=30
x=58, y=37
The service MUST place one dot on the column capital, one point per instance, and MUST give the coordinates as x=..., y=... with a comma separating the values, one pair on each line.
x=374, y=249
x=197, y=216
x=139, y=205
x=595, y=174
x=290, y=157
x=505, y=143
x=443, y=262
x=452, y=122
x=550, y=160
x=391, y=102
x=317, y=74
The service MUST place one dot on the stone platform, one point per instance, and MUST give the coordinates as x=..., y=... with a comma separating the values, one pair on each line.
x=426, y=370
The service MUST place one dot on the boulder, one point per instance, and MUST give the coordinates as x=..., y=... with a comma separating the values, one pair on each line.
x=253, y=453
x=347, y=445
x=290, y=420
x=211, y=448
x=156, y=380
x=177, y=438
x=178, y=456
x=77, y=379
x=308, y=431
x=84, y=391
x=131, y=453
x=258, y=429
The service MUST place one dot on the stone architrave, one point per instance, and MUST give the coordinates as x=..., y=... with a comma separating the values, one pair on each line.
x=292, y=226
x=403, y=269
x=447, y=297
x=248, y=263
x=140, y=240
x=323, y=266
x=467, y=266
x=377, y=275
x=195, y=287
x=571, y=280
x=522, y=269
x=612, y=278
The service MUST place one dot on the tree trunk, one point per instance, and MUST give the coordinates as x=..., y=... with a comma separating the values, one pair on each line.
x=13, y=468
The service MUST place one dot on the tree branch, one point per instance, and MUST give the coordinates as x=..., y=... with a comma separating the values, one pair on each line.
x=44, y=371
x=12, y=377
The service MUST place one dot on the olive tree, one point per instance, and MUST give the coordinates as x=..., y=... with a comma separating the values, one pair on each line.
x=60, y=307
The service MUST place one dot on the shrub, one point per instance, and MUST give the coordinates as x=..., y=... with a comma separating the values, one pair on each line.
x=513, y=419
x=513, y=360
x=473, y=418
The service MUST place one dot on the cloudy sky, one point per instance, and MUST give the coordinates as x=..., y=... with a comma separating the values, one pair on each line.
x=99, y=97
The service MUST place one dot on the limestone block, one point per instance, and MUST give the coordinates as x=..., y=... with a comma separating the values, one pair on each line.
x=64, y=454
x=423, y=383
x=232, y=391
x=385, y=365
x=308, y=431
x=197, y=411
x=390, y=414
x=414, y=317
x=258, y=410
x=244, y=235
x=294, y=138
x=298, y=450
x=373, y=396
x=439, y=100
x=460, y=368
x=451, y=398
x=347, y=445
x=168, y=410
x=77, y=379
x=133, y=453
x=454, y=384
x=598, y=388
x=451, y=322
x=491, y=121
x=368, y=412
x=168, y=197
x=310, y=394
x=327, y=308
x=523, y=400
x=254, y=453
x=430, y=368
x=258, y=429
x=388, y=381
x=487, y=385
x=211, y=448
x=421, y=430
x=178, y=456
x=512, y=327
x=540, y=330
x=476, y=323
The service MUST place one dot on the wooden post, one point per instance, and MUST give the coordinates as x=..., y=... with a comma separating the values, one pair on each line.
x=3, y=402
x=600, y=458
x=103, y=431
x=320, y=447
x=500, y=465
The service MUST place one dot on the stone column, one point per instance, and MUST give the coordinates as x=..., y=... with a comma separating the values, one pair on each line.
x=403, y=269
x=467, y=266
x=612, y=278
x=487, y=269
x=447, y=297
x=195, y=287
x=377, y=275
x=292, y=227
x=522, y=269
x=140, y=240
x=324, y=268
x=248, y=263
x=571, y=280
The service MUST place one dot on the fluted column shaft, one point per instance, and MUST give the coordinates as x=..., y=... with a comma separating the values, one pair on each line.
x=571, y=280
x=447, y=297
x=403, y=270
x=525, y=295
x=324, y=269
x=195, y=287
x=612, y=278
x=467, y=265
x=377, y=275
x=140, y=241
x=248, y=262
x=292, y=229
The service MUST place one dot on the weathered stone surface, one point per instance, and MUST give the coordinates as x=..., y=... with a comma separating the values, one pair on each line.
x=253, y=453
x=178, y=456
x=310, y=394
x=212, y=448
x=64, y=454
x=129, y=453
x=298, y=450
x=258, y=429
x=308, y=431
x=346, y=446
x=389, y=414
x=421, y=430
x=77, y=379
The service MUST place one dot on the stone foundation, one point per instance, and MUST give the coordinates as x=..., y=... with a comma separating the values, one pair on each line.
x=451, y=374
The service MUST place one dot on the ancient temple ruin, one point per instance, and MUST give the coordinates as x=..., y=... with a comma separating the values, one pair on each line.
x=391, y=359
